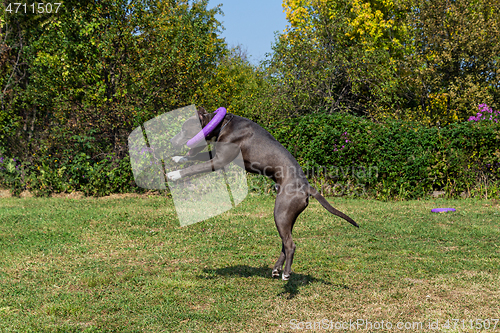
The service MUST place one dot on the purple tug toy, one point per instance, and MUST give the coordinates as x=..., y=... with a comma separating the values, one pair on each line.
x=443, y=210
x=220, y=113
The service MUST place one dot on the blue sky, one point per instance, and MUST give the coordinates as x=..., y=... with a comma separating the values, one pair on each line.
x=252, y=24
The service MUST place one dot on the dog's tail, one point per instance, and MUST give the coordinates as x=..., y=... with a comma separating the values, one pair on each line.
x=312, y=191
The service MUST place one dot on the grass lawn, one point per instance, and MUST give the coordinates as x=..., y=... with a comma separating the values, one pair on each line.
x=124, y=265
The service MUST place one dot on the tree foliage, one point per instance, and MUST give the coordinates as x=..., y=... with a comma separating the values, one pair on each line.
x=236, y=84
x=410, y=59
x=455, y=64
x=338, y=56
x=97, y=69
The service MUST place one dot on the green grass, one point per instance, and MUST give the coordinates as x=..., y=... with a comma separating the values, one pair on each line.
x=124, y=265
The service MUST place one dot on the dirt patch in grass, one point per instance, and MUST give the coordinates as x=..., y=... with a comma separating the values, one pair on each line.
x=5, y=194
x=72, y=195
x=81, y=195
x=129, y=195
x=26, y=194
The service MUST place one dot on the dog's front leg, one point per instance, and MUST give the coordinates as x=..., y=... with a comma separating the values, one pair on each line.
x=205, y=156
x=194, y=155
x=224, y=155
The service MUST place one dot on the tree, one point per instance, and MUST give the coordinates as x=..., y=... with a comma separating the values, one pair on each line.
x=456, y=59
x=97, y=69
x=339, y=56
x=14, y=76
x=410, y=59
x=236, y=84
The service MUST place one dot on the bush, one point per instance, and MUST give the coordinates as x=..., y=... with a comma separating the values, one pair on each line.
x=10, y=174
x=395, y=159
x=342, y=155
x=69, y=172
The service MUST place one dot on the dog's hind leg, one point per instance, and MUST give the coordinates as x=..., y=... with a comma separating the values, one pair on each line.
x=286, y=210
x=279, y=264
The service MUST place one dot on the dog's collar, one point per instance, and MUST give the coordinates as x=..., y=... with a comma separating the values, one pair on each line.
x=227, y=122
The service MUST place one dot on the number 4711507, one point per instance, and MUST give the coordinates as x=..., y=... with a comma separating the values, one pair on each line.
x=34, y=8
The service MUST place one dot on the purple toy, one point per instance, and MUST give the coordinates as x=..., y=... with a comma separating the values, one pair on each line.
x=443, y=210
x=219, y=115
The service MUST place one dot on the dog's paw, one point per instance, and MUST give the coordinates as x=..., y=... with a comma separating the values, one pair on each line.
x=275, y=273
x=179, y=159
x=285, y=277
x=174, y=175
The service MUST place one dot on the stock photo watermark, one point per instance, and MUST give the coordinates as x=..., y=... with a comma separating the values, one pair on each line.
x=385, y=325
x=34, y=8
x=160, y=156
x=196, y=198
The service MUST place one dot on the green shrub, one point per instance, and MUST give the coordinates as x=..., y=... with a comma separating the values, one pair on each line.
x=394, y=159
x=342, y=156
x=10, y=174
x=110, y=176
x=69, y=172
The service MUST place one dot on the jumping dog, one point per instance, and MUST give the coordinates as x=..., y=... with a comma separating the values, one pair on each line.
x=262, y=154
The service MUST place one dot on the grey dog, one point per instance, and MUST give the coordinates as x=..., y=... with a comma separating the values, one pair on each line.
x=262, y=154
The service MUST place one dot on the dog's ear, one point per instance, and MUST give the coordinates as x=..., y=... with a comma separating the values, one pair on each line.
x=201, y=113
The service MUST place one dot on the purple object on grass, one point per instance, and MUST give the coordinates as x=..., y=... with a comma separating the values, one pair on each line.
x=443, y=210
x=219, y=115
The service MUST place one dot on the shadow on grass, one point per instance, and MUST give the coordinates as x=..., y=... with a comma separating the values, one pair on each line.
x=290, y=288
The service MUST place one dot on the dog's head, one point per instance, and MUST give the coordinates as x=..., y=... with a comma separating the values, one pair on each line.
x=190, y=128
